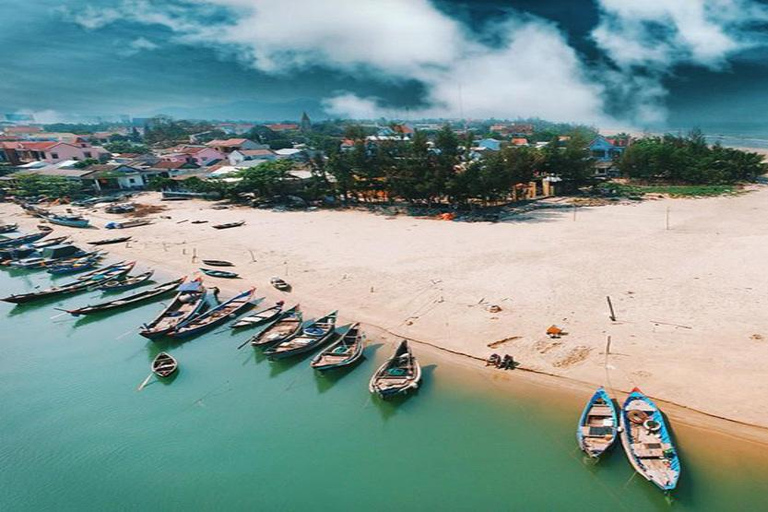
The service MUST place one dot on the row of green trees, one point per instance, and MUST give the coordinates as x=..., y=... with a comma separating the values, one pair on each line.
x=688, y=160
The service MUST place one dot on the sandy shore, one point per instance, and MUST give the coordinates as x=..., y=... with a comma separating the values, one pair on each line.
x=689, y=300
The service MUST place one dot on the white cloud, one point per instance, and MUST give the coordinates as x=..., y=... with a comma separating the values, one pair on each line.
x=532, y=72
x=138, y=45
x=663, y=33
x=92, y=18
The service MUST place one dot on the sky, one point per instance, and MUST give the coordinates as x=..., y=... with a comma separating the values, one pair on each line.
x=639, y=64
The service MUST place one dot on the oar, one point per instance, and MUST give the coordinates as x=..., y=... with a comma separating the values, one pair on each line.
x=244, y=343
x=146, y=381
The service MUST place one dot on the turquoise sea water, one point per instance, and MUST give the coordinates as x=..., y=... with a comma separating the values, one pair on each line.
x=235, y=432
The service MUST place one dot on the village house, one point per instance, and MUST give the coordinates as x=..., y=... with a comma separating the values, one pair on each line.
x=199, y=155
x=226, y=146
x=251, y=156
x=50, y=151
x=488, y=145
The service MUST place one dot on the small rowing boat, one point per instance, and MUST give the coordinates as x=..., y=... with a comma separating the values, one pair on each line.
x=260, y=317
x=228, y=225
x=283, y=327
x=598, y=424
x=8, y=228
x=164, y=365
x=218, y=263
x=647, y=441
x=214, y=316
x=223, y=274
x=189, y=302
x=314, y=335
x=108, y=241
x=346, y=351
x=400, y=374
x=128, y=301
x=127, y=224
x=126, y=282
x=279, y=284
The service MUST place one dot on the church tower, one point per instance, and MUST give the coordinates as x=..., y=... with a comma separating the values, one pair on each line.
x=306, y=124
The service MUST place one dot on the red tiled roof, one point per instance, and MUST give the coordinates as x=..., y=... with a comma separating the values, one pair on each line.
x=257, y=152
x=40, y=146
x=227, y=142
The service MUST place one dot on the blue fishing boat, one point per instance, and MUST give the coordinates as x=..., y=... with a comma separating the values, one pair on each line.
x=598, y=425
x=315, y=334
x=345, y=352
x=647, y=441
x=72, y=221
x=191, y=299
x=399, y=375
x=23, y=239
x=80, y=265
x=214, y=316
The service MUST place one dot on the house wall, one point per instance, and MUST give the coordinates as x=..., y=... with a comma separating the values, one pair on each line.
x=63, y=152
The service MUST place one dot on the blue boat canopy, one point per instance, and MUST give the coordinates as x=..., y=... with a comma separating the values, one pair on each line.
x=191, y=286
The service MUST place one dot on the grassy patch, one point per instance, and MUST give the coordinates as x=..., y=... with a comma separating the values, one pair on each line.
x=670, y=190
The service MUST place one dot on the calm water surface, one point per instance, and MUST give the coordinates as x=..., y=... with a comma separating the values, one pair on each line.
x=234, y=432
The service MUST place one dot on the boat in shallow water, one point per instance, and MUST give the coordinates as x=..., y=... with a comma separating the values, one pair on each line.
x=164, y=365
x=647, y=441
x=346, y=351
x=8, y=228
x=598, y=424
x=126, y=282
x=73, y=286
x=283, y=327
x=259, y=317
x=214, y=316
x=315, y=334
x=130, y=300
x=191, y=299
x=22, y=240
x=400, y=374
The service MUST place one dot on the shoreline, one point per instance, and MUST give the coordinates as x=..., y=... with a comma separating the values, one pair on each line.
x=176, y=248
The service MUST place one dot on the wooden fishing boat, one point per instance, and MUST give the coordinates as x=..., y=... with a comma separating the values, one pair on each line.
x=128, y=301
x=71, y=287
x=219, y=273
x=108, y=241
x=190, y=300
x=218, y=263
x=279, y=284
x=312, y=336
x=93, y=273
x=598, y=425
x=77, y=266
x=23, y=240
x=228, y=225
x=127, y=224
x=199, y=222
x=647, y=441
x=72, y=221
x=126, y=282
x=214, y=316
x=287, y=324
x=44, y=261
x=164, y=365
x=346, y=351
x=400, y=374
x=120, y=208
x=260, y=317
x=8, y=228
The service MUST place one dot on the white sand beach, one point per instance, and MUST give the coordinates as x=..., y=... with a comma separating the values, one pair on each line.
x=691, y=326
